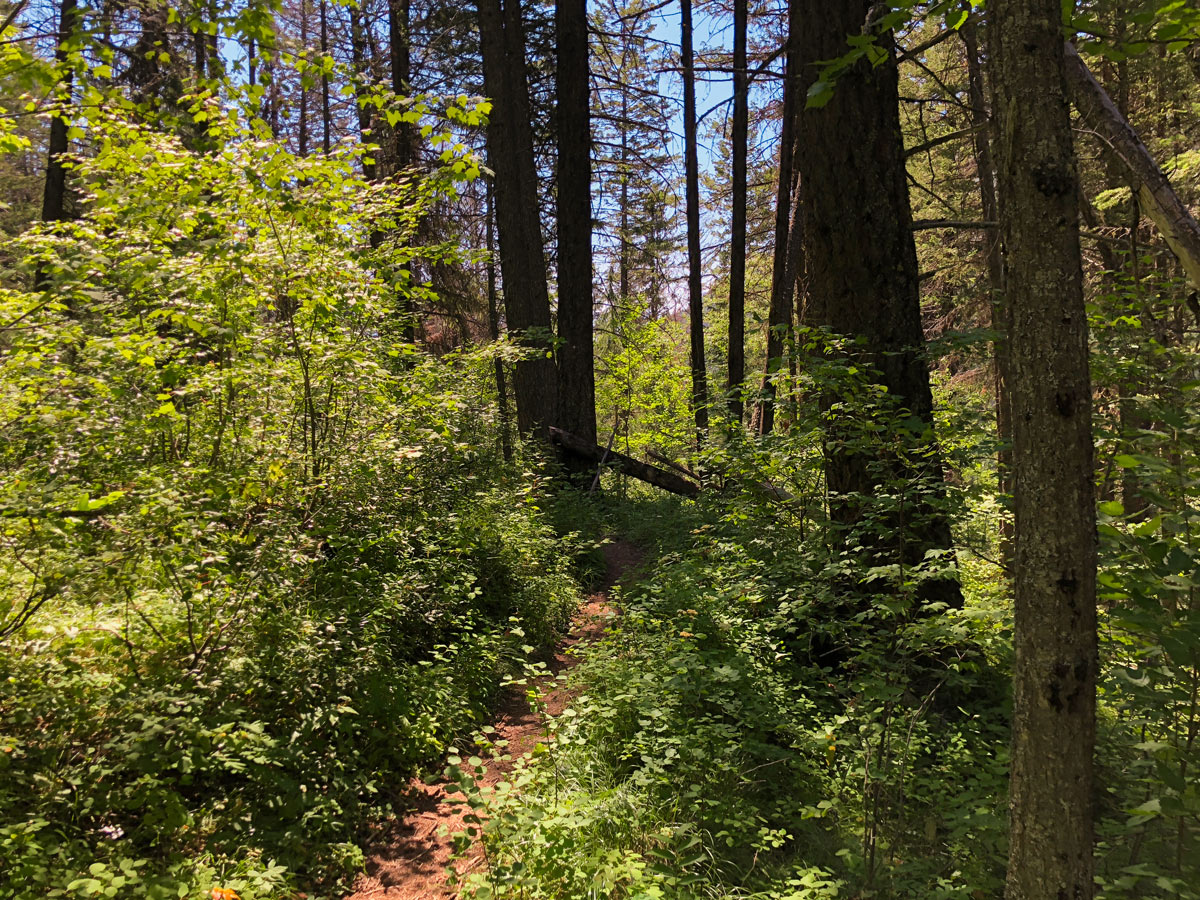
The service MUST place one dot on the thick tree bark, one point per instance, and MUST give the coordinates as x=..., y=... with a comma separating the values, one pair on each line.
x=863, y=284
x=576, y=377
x=779, y=312
x=986, y=170
x=216, y=65
x=144, y=73
x=692, y=190
x=1154, y=192
x=199, y=53
x=522, y=262
x=271, y=101
x=1050, y=851
x=737, y=241
x=54, y=194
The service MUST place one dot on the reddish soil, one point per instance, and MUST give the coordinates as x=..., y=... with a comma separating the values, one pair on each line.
x=413, y=854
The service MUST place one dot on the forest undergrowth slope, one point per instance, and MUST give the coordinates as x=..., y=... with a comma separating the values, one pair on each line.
x=736, y=735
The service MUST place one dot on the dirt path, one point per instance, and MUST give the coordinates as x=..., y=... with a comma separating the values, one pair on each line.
x=411, y=861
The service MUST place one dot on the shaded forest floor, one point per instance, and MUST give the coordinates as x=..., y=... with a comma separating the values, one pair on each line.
x=412, y=855
x=697, y=747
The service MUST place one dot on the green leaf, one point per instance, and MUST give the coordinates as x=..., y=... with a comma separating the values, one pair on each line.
x=1149, y=527
x=819, y=94
x=87, y=504
x=1147, y=810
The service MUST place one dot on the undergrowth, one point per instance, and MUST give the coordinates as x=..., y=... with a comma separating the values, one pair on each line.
x=129, y=764
x=710, y=756
x=758, y=726
x=260, y=560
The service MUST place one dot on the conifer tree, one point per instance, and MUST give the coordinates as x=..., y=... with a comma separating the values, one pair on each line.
x=737, y=242
x=522, y=262
x=692, y=191
x=577, y=390
x=863, y=284
x=633, y=180
x=1054, y=628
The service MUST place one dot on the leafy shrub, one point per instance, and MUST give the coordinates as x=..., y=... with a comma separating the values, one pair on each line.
x=237, y=620
x=709, y=756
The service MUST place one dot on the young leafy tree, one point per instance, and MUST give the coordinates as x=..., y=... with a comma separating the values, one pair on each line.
x=1054, y=630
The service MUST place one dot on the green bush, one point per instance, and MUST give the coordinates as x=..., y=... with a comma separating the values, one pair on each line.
x=233, y=621
x=709, y=754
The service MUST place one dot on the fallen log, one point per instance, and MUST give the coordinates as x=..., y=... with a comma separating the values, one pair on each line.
x=660, y=478
x=670, y=463
x=1155, y=194
x=667, y=481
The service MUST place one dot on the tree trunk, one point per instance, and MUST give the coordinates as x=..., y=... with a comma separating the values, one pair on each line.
x=358, y=54
x=779, y=312
x=326, y=121
x=494, y=325
x=1154, y=192
x=737, y=241
x=199, y=52
x=271, y=73
x=692, y=190
x=216, y=65
x=576, y=378
x=404, y=142
x=863, y=284
x=400, y=42
x=1050, y=851
x=302, y=138
x=144, y=73
x=626, y=242
x=986, y=171
x=54, y=195
x=592, y=452
x=522, y=263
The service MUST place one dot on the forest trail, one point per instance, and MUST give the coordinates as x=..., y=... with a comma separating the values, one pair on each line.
x=412, y=855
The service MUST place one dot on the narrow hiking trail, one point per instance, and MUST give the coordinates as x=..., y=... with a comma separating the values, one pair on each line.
x=413, y=854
